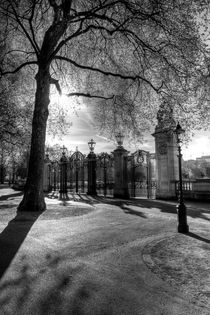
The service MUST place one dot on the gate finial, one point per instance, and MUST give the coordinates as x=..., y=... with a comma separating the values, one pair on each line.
x=91, y=145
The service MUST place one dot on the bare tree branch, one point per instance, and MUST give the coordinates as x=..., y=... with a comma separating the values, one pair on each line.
x=24, y=29
x=31, y=26
x=89, y=95
x=18, y=68
x=108, y=73
x=57, y=85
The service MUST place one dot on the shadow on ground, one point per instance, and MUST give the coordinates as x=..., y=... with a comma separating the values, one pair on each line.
x=13, y=236
x=151, y=204
x=125, y=205
x=10, y=196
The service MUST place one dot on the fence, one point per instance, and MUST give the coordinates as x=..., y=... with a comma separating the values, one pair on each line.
x=198, y=189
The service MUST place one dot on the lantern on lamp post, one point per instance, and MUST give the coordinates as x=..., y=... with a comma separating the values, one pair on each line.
x=91, y=145
x=181, y=208
x=119, y=138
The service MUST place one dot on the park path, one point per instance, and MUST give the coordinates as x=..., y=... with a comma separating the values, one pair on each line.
x=102, y=257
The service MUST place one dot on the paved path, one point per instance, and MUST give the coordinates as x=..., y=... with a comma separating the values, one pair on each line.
x=101, y=257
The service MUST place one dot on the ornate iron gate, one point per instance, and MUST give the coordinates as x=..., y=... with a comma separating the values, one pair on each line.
x=69, y=174
x=105, y=174
x=77, y=172
x=140, y=178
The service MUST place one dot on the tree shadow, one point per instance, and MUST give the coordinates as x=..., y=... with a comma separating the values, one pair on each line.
x=72, y=196
x=13, y=236
x=128, y=210
x=171, y=208
x=6, y=197
x=7, y=206
x=162, y=206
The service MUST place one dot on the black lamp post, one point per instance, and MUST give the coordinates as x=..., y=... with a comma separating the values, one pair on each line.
x=181, y=208
x=91, y=169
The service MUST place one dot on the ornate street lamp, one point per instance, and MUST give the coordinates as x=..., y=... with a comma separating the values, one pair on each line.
x=181, y=208
x=119, y=138
x=91, y=145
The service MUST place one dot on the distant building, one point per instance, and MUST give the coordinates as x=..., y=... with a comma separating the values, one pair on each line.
x=203, y=158
x=199, y=168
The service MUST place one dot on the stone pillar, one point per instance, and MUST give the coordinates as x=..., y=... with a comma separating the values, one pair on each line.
x=166, y=154
x=92, y=174
x=152, y=176
x=47, y=174
x=120, y=173
x=63, y=177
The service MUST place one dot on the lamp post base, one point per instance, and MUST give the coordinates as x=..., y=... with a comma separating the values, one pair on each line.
x=182, y=218
x=183, y=229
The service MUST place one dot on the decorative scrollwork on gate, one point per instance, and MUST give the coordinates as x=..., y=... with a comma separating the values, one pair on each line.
x=105, y=176
x=77, y=173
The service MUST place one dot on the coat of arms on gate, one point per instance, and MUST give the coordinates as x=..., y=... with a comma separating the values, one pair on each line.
x=162, y=148
x=140, y=158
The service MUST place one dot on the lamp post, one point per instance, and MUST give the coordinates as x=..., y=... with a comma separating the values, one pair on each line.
x=181, y=208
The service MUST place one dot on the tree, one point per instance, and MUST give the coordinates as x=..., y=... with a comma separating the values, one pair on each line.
x=15, y=114
x=152, y=46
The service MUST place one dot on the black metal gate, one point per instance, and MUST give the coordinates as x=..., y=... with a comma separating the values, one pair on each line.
x=140, y=180
x=77, y=173
x=105, y=174
x=71, y=173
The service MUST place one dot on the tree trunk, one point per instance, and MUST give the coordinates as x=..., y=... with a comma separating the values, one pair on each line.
x=33, y=199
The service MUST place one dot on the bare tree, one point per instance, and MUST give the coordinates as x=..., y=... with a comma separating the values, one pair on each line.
x=152, y=45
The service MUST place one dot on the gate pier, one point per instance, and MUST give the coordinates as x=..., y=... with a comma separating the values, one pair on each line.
x=91, y=174
x=63, y=177
x=120, y=170
x=166, y=153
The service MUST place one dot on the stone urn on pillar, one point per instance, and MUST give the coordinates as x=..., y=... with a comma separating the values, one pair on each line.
x=120, y=169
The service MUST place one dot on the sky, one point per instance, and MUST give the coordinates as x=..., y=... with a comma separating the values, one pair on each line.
x=82, y=131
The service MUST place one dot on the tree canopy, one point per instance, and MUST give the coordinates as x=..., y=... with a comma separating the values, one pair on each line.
x=131, y=53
